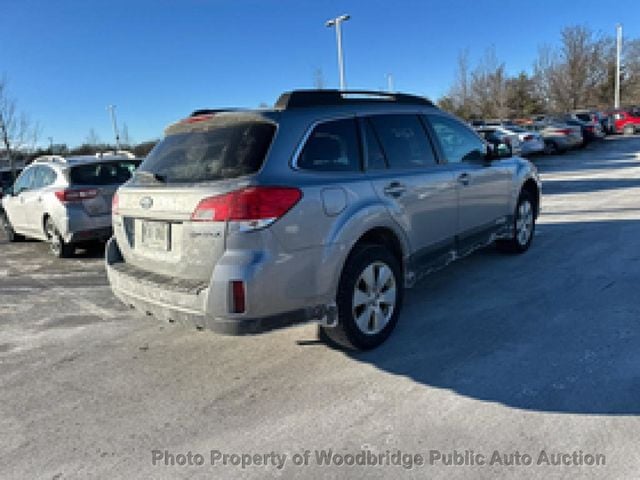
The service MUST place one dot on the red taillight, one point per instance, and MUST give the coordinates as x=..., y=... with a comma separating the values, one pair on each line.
x=114, y=203
x=564, y=131
x=237, y=297
x=589, y=127
x=77, y=195
x=247, y=204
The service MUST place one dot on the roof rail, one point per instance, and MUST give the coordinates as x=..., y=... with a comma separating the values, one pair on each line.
x=316, y=98
x=117, y=153
x=50, y=158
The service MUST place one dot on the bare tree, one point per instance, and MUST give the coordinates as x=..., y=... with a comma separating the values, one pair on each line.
x=543, y=73
x=16, y=131
x=458, y=99
x=488, y=87
x=92, y=138
x=630, y=85
x=573, y=76
x=124, y=136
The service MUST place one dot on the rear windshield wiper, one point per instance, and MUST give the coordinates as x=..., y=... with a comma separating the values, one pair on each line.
x=150, y=175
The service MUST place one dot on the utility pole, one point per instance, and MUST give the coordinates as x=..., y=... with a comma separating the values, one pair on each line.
x=616, y=102
x=337, y=22
x=112, y=109
x=390, y=82
x=50, y=145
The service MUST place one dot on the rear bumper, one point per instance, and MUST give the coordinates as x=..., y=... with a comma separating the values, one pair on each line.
x=79, y=227
x=532, y=147
x=187, y=302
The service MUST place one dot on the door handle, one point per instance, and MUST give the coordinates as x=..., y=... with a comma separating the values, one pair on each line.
x=463, y=179
x=395, y=189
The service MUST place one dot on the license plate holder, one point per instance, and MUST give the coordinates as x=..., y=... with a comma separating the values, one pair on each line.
x=155, y=235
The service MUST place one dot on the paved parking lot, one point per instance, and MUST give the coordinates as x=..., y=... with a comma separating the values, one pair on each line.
x=495, y=353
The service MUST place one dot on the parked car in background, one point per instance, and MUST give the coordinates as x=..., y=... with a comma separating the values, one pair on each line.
x=501, y=138
x=625, y=122
x=6, y=179
x=65, y=201
x=530, y=142
x=606, y=122
x=322, y=209
x=557, y=137
x=591, y=128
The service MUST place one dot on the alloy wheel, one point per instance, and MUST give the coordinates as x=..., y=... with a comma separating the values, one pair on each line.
x=55, y=243
x=524, y=222
x=374, y=298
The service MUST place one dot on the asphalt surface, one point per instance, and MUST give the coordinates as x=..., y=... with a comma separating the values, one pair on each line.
x=495, y=353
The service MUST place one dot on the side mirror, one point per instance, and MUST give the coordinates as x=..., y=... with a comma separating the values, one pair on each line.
x=491, y=152
x=504, y=150
x=498, y=150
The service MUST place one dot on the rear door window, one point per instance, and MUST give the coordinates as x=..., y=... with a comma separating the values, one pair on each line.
x=43, y=177
x=332, y=147
x=404, y=141
x=103, y=173
x=221, y=152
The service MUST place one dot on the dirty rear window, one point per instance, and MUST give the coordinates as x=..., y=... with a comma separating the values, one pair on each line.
x=106, y=173
x=227, y=151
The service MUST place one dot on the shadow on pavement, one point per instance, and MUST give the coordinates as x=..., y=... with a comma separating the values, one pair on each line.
x=553, y=330
x=554, y=187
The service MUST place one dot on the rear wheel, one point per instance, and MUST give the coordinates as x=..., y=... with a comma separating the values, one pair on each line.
x=58, y=247
x=369, y=299
x=550, y=148
x=7, y=228
x=524, y=225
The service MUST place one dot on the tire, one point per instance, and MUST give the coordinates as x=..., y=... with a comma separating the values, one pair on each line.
x=550, y=148
x=524, y=226
x=363, y=326
x=57, y=246
x=7, y=228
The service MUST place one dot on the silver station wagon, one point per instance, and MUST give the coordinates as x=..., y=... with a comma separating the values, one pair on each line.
x=324, y=208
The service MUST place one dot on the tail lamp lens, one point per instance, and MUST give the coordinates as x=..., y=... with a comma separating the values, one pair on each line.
x=247, y=205
x=114, y=203
x=76, y=195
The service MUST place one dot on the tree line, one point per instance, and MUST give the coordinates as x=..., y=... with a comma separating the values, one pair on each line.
x=577, y=73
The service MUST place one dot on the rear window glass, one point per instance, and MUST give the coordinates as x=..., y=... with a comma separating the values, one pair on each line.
x=585, y=117
x=332, y=147
x=222, y=152
x=106, y=173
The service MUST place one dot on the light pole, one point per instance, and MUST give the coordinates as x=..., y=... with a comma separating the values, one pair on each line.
x=337, y=22
x=112, y=109
x=616, y=102
x=50, y=145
